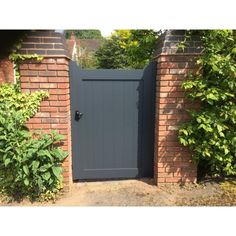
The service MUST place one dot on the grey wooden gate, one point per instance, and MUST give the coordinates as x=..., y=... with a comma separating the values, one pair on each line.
x=112, y=122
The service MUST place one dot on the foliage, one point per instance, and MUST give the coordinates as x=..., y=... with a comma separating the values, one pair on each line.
x=111, y=55
x=87, y=61
x=84, y=34
x=139, y=47
x=17, y=58
x=30, y=163
x=211, y=132
x=127, y=49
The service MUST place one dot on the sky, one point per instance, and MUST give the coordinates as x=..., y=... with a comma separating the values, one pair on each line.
x=106, y=32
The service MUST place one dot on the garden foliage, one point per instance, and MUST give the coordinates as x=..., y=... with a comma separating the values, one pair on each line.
x=30, y=163
x=127, y=49
x=211, y=132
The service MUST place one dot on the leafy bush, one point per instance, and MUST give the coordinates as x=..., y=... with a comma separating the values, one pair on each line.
x=127, y=49
x=30, y=163
x=211, y=132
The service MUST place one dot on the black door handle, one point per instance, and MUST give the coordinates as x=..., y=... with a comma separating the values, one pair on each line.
x=78, y=115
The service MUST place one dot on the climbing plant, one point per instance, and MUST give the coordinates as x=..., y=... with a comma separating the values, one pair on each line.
x=211, y=132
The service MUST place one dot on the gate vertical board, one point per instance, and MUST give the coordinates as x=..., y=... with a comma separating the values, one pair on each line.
x=114, y=137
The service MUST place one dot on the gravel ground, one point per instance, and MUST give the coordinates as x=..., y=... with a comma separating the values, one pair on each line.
x=139, y=193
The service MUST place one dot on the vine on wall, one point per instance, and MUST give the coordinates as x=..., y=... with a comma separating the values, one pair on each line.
x=211, y=132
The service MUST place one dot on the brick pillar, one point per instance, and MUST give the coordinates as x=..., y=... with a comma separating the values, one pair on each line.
x=50, y=74
x=6, y=71
x=173, y=161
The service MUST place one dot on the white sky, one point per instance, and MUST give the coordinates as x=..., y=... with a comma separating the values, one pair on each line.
x=106, y=32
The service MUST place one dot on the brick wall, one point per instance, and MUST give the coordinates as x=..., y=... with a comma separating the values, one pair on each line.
x=6, y=71
x=172, y=161
x=50, y=74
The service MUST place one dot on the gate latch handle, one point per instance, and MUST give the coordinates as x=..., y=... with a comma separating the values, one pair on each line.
x=78, y=115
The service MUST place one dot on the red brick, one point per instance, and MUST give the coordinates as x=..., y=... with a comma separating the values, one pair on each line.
x=62, y=61
x=42, y=114
x=50, y=120
x=58, y=67
x=53, y=97
x=168, y=89
x=64, y=85
x=59, y=103
x=49, y=109
x=48, y=85
x=28, y=73
x=167, y=100
x=29, y=85
x=59, y=79
x=24, y=67
x=173, y=180
x=35, y=120
x=47, y=73
x=163, y=71
x=59, y=115
x=44, y=104
x=62, y=73
x=37, y=67
x=161, y=180
x=59, y=91
x=39, y=79
x=176, y=94
x=41, y=126
x=62, y=109
x=172, y=77
x=179, y=71
x=59, y=126
x=63, y=97
x=163, y=83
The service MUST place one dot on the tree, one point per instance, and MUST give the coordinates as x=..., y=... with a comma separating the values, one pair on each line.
x=84, y=34
x=127, y=49
x=111, y=55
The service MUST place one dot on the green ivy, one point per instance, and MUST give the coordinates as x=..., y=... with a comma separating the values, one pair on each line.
x=211, y=132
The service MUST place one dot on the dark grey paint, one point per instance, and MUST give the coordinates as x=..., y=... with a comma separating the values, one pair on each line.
x=114, y=138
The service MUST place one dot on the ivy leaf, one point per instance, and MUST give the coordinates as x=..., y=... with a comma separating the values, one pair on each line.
x=46, y=175
x=26, y=169
x=35, y=165
x=57, y=172
x=7, y=161
x=26, y=182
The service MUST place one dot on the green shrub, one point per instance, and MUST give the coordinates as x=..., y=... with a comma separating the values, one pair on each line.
x=30, y=163
x=211, y=132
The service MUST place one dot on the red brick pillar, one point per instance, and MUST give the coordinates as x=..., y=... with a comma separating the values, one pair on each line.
x=50, y=74
x=6, y=71
x=173, y=161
